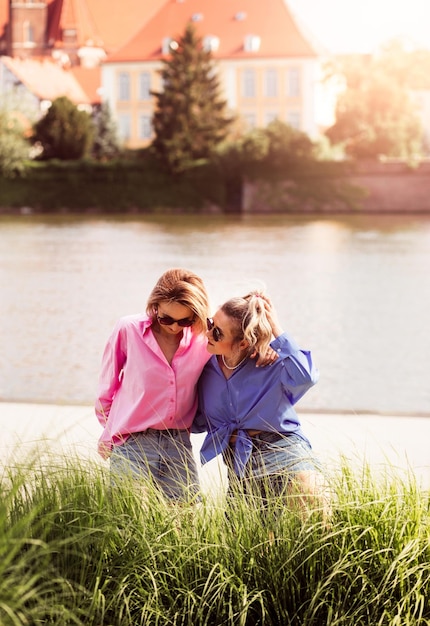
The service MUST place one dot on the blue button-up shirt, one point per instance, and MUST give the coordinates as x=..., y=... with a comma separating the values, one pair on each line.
x=253, y=398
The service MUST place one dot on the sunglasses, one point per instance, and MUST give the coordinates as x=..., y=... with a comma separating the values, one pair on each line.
x=216, y=333
x=166, y=320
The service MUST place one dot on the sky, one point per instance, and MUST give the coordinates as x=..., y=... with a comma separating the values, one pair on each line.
x=363, y=25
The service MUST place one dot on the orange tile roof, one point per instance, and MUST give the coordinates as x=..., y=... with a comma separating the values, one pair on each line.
x=74, y=14
x=271, y=20
x=118, y=20
x=106, y=23
x=89, y=79
x=46, y=80
x=4, y=17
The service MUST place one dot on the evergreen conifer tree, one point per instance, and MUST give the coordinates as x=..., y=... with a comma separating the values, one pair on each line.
x=106, y=143
x=190, y=117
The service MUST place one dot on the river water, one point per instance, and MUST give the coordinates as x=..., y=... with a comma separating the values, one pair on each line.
x=353, y=289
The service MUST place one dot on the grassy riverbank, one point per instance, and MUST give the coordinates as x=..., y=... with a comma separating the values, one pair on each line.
x=73, y=552
x=137, y=185
x=120, y=186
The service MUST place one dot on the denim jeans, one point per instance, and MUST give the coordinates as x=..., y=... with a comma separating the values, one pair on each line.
x=275, y=459
x=163, y=457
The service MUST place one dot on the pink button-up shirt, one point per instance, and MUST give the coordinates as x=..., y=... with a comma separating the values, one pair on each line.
x=138, y=389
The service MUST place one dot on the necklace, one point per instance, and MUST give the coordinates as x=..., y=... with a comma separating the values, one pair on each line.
x=236, y=366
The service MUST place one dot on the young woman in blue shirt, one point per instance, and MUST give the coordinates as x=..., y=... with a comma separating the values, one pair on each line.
x=248, y=411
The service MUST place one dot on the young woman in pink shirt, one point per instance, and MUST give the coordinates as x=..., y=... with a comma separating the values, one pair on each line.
x=147, y=394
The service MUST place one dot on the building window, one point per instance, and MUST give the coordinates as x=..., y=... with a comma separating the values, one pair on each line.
x=211, y=43
x=293, y=82
x=248, y=84
x=145, y=127
x=28, y=33
x=124, y=126
x=168, y=44
x=294, y=119
x=250, y=120
x=252, y=43
x=124, y=86
x=70, y=35
x=270, y=116
x=271, y=83
x=144, y=86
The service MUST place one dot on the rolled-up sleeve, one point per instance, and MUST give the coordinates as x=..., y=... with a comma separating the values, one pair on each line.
x=113, y=361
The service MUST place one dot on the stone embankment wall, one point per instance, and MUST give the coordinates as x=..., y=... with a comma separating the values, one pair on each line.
x=384, y=187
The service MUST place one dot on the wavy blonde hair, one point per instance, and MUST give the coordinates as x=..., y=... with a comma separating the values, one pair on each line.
x=178, y=285
x=250, y=321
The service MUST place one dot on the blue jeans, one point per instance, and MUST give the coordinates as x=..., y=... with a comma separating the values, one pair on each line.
x=275, y=459
x=163, y=457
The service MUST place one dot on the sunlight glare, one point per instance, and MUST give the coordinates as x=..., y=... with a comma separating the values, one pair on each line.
x=346, y=26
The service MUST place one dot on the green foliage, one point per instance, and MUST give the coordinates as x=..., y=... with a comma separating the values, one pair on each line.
x=106, y=144
x=76, y=551
x=112, y=187
x=14, y=148
x=375, y=114
x=275, y=151
x=411, y=68
x=64, y=132
x=189, y=120
x=139, y=185
x=290, y=178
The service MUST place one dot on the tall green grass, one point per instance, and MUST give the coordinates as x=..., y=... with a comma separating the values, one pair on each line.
x=73, y=550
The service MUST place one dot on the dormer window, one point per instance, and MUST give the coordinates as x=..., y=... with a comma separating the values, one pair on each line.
x=240, y=16
x=70, y=35
x=197, y=17
x=211, y=43
x=252, y=43
x=168, y=44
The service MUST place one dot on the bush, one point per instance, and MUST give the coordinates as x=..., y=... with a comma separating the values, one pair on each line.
x=64, y=132
x=111, y=187
x=14, y=149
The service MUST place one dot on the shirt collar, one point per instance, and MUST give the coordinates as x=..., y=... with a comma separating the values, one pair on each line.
x=146, y=324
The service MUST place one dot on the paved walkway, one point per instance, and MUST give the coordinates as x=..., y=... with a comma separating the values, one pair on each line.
x=399, y=444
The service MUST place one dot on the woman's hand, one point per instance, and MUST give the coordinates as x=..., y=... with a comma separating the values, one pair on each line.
x=104, y=449
x=272, y=316
x=268, y=358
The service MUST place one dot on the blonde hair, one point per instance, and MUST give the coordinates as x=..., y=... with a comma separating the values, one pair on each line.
x=250, y=321
x=183, y=287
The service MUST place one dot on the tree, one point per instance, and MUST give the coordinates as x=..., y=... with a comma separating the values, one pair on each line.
x=189, y=119
x=14, y=148
x=64, y=132
x=375, y=114
x=287, y=147
x=106, y=143
x=276, y=150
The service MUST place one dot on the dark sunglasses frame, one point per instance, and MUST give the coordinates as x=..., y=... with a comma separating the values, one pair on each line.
x=216, y=333
x=166, y=320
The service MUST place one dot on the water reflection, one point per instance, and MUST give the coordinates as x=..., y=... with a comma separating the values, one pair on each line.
x=355, y=289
